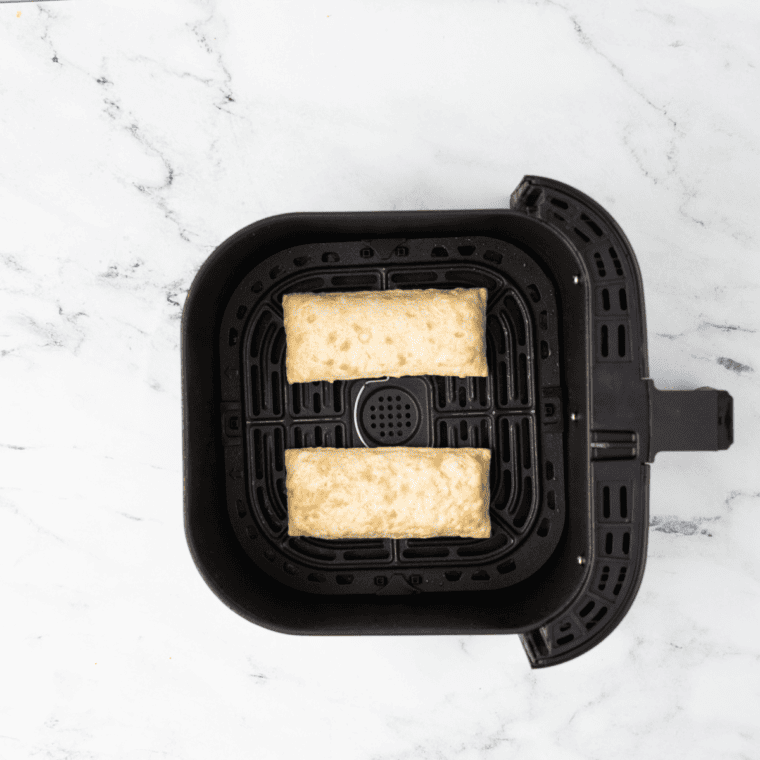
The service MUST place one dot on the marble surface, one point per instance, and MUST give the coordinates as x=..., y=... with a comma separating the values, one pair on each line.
x=136, y=136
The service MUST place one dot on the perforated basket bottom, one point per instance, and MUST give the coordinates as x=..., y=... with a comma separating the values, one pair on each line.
x=516, y=412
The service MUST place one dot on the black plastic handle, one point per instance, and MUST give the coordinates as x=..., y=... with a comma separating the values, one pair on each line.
x=700, y=420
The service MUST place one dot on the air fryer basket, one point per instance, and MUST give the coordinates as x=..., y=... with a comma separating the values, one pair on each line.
x=567, y=409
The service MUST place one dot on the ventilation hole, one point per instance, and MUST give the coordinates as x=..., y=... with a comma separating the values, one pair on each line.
x=623, y=300
x=514, y=318
x=534, y=294
x=599, y=615
x=338, y=437
x=317, y=403
x=466, y=250
x=521, y=514
x=401, y=251
x=234, y=423
x=608, y=544
x=259, y=331
x=275, y=272
x=344, y=579
x=366, y=253
x=621, y=340
x=296, y=399
x=424, y=552
x=589, y=606
x=318, y=435
x=600, y=264
x=463, y=430
x=453, y=575
x=616, y=262
x=559, y=216
x=481, y=575
x=354, y=280
x=543, y=320
x=565, y=639
x=301, y=261
x=605, y=576
x=316, y=577
x=558, y=203
x=462, y=396
x=545, y=352
x=605, y=341
x=506, y=567
x=522, y=366
x=551, y=500
x=233, y=336
x=412, y=278
x=606, y=299
x=408, y=415
x=269, y=554
x=337, y=396
x=256, y=287
x=251, y=532
x=606, y=502
x=507, y=485
x=366, y=554
x=623, y=502
x=582, y=235
x=297, y=438
x=439, y=252
x=493, y=256
x=593, y=225
x=241, y=509
x=382, y=435
x=549, y=471
x=278, y=449
x=278, y=347
x=501, y=382
x=398, y=398
x=330, y=256
x=289, y=569
x=408, y=424
x=276, y=393
x=255, y=397
x=482, y=390
x=504, y=439
x=620, y=580
x=543, y=528
x=526, y=443
x=564, y=627
x=626, y=543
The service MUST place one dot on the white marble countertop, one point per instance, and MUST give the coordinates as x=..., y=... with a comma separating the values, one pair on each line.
x=135, y=137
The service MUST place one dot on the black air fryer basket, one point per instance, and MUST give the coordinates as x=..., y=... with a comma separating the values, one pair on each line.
x=568, y=410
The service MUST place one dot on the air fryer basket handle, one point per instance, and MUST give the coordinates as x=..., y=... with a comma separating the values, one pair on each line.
x=700, y=420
